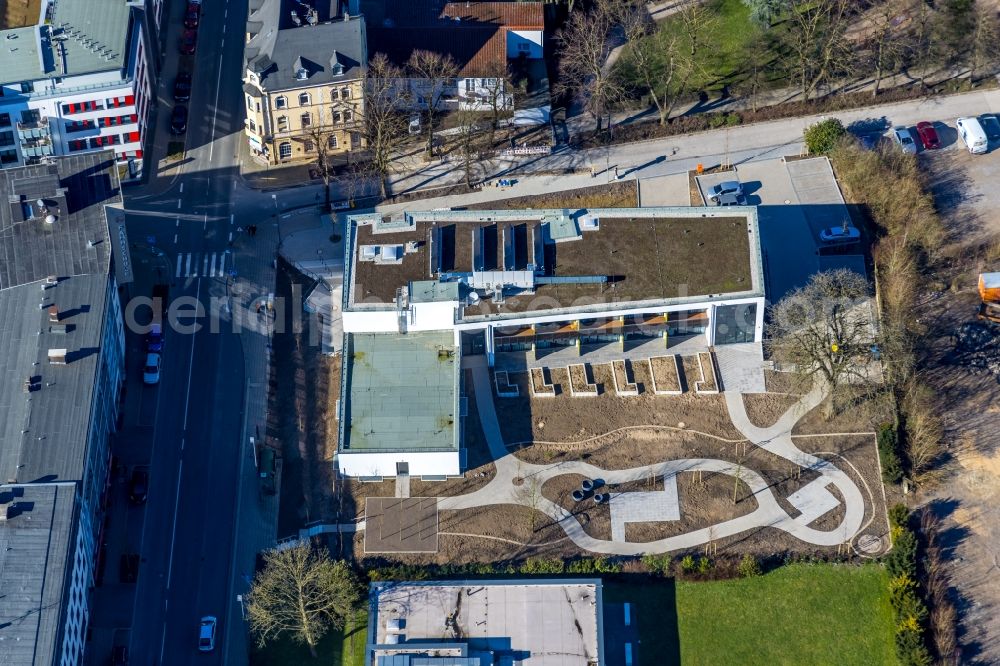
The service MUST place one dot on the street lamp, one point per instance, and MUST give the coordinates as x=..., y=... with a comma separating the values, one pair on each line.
x=243, y=610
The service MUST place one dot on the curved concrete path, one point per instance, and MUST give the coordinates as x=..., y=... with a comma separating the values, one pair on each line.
x=775, y=439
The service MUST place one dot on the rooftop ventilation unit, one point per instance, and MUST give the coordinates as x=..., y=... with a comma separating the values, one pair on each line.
x=57, y=356
x=50, y=219
x=53, y=314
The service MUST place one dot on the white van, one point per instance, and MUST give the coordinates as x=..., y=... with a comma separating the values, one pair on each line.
x=973, y=135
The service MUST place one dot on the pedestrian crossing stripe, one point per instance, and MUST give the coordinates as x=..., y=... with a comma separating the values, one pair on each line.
x=196, y=264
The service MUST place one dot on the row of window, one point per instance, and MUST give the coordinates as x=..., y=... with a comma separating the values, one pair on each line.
x=102, y=141
x=26, y=87
x=306, y=119
x=309, y=146
x=97, y=105
x=305, y=99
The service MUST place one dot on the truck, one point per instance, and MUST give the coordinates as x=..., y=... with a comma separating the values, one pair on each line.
x=989, y=296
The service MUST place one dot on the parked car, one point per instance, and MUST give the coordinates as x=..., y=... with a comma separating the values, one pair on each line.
x=192, y=16
x=731, y=199
x=973, y=135
x=206, y=634
x=189, y=41
x=928, y=136
x=904, y=138
x=731, y=187
x=154, y=340
x=182, y=87
x=845, y=234
x=179, y=119
x=151, y=371
x=991, y=126
x=138, y=486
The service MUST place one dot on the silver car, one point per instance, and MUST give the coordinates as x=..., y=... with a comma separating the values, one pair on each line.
x=730, y=190
x=904, y=137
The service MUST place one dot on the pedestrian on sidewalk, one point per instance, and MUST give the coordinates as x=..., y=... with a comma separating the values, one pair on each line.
x=252, y=229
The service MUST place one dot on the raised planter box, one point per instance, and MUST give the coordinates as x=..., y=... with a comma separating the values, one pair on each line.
x=624, y=378
x=542, y=386
x=709, y=379
x=504, y=388
x=666, y=374
x=581, y=384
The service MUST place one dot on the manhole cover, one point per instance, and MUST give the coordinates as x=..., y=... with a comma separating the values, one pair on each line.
x=868, y=543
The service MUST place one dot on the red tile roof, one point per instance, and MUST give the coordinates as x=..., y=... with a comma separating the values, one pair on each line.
x=526, y=15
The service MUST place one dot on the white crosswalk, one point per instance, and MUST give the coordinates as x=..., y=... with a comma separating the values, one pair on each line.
x=196, y=264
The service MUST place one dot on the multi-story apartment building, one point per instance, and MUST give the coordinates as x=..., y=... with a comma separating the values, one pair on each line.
x=75, y=80
x=62, y=348
x=303, y=82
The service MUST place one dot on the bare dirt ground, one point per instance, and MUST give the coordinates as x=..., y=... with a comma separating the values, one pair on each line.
x=19, y=13
x=303, y=389
x=566, y=418
x=764, y=409
x=967, y=495
x=785, y=382
x=864, y=413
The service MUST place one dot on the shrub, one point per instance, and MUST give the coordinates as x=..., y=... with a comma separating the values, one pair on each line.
x=749, y=566
x=888, y=451
x=704, y=565
x=657, y=564
x=899, y=515
x=687, y=564
x=606, y=565
x=582, y=566
x=902, y=559
x=823, y=136
x=540, y=565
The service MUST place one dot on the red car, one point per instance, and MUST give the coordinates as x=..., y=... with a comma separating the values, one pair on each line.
x=191, y=17
x=928, y=136
x=188, y=41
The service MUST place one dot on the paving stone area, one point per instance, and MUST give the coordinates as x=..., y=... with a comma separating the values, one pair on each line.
x=644, y=507
x=813, y=500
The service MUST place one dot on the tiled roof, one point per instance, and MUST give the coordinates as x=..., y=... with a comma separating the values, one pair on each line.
x=527, y=15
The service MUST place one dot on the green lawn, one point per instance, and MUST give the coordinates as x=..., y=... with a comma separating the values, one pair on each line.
x=338, y=648
x=799, y=614
x=728, y=48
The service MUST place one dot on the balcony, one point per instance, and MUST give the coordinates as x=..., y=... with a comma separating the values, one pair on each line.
x=34, y=125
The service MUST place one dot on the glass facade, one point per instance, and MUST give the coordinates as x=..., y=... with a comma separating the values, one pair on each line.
x=735, y=323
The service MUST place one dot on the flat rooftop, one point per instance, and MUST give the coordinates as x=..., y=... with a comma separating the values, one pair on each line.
x=402, y=392
x=35, y=543
x=623, y=255
x=537, y=622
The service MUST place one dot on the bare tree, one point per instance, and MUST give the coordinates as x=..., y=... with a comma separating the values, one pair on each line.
x=302, y=592
x=658, y=62
x=985, y=40
x=697, y=20
x=435, y=72
x=384, y=123
x=323, y=138
x=816, y=37
x=496, y=97
x=824, y=329
x=585, y=42
x=469, y=142
x=885, y=43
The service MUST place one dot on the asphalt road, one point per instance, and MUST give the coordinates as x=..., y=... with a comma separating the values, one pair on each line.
x=188, y=214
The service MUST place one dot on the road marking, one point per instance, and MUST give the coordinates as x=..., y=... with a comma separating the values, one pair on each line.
x=225, y=14
x=230, y=236
x=178, y=204
x=177, y=501
x=182, y=188
x=215, y=110
x=178, y=273
x=222, y=265
x=204, y=265
x=187, y=271
x=178, y=222
x=175, y=239
x=204, y=224
x=212, y=272
x=231, y=216
x=187, y=395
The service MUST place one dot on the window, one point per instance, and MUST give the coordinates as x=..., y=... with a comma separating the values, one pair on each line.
x=336, y=116
x=285, y=150
x=470, y=85
x=280, y=102
x=334, y=94
x=4, y=120
x=257, y=107
x=253, y=128
x=304, y=99
x=347, y=116
x=29, y=116
x=282, y=123
x=332, y=143
x=309, y=146
x=6, y=138
x=523, y=47
x=27, y=87
x=249, y=103
x=306, y=120
x=355, y=139
x=345, y=93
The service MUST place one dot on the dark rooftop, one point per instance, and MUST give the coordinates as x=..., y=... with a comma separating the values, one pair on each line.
x=644, y=258
x=45, y=408
x=35, y=544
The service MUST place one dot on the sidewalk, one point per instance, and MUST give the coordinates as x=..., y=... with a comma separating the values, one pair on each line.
x=257, y=515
